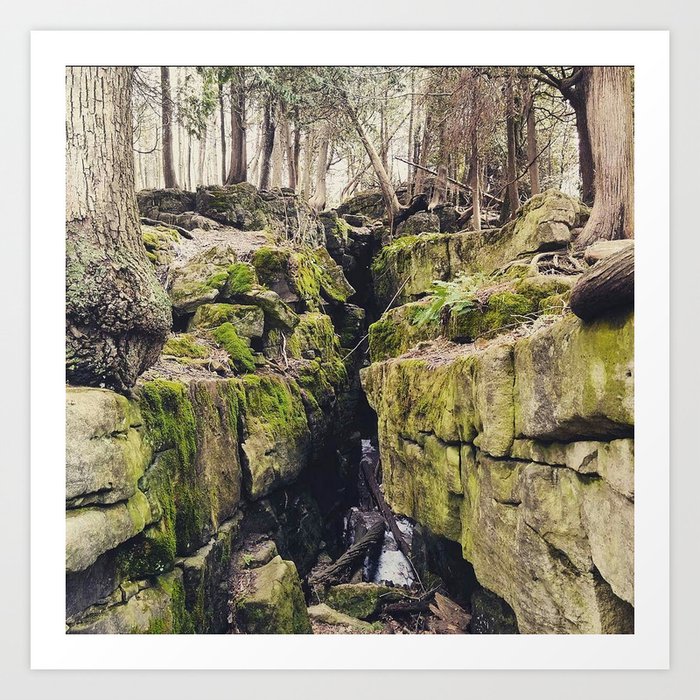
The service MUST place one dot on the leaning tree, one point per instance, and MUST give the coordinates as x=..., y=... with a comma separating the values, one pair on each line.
x=117, y=314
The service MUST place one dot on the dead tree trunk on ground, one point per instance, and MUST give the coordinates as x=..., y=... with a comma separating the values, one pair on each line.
x=608, y=285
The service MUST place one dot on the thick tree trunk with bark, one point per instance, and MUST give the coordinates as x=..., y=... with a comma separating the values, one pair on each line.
x=585, y=157
x=167, y=124
x=475, y=178
x=238, y=170
x=608, y=285
x=117, y=315
x=268, y=142
x=222, y=124
x=608, y=97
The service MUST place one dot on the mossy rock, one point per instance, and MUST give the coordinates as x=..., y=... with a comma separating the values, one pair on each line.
x=278, y=315
x=248, y=320
x=360, y=600
x=277, y=438
x=160, y=242
x=185, y=345
x=273, y=602
x=240, y=206
x=200, y=279
x=239, y=352
x=421, y=222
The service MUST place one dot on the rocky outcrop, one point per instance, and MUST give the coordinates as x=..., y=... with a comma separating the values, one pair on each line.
x=406, y=268
x=523, y=453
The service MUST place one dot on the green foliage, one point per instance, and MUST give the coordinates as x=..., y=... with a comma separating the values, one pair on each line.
x=240, y=354
x=240, y=279
x=458, y=295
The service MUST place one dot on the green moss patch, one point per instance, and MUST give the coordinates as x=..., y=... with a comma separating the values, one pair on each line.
x=239, y=352
x=185, y=345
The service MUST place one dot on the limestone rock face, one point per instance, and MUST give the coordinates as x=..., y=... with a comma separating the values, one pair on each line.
x=105, y=452
x=576, y=380
x=369, y=204
x=277, y=438
x=139, y=608
x=92, y=531
x=272, y=602
x=468, y=442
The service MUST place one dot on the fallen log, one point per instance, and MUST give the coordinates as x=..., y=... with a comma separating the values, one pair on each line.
x=448, y=617
x=343, y=568
x=607, y=285
x=156, y=222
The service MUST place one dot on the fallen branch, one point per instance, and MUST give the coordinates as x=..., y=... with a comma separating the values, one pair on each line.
x=457, y=183
x=343, y=568
x=155, y=222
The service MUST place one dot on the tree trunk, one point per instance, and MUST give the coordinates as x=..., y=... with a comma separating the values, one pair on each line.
x=475, y=178
x=318, y=201
x=117, y=315
x=289, y=149
x=202, y=156
x=391, y=201
x=533, y=167
x=222, y=124
x=608, y=285
x=268, y=142
x=607, y=92
x=585, y=157
x=238, y=171
x=167, y=124
x=512, y=194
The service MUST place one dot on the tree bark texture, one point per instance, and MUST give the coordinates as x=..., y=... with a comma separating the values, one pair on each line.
x=609, y=115
x=222, y=124
x=268, y=142
x=608, y=285
x=318, y=201
x=117, y=314
x=238, y=170
x=167, y=123
x=531, y=129
x=512, y=195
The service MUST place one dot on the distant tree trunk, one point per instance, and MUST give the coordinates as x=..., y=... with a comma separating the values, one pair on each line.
x=424, y=149
x=318, y=201
x=533, y=165
x=296, y=152
x=238, y=171
x=608, y=97
x=167, y=123
x=222, y=124
x=475, y=178
x=308, y=163
x=268, y=141
x=117, y=315
x=289, y=152
x=410, y=147
x=391, y=201
x=512, y=194
x=439, y=188
x=202, y=156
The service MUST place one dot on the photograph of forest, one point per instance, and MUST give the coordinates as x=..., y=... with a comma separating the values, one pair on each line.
x=349, y=350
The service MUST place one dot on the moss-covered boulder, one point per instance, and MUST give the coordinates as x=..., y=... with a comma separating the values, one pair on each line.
x=185, y=345
x=240, y=355
x=369, y=203
x=199, y=279
x=172, y=201
x=272, y=601
x=276, y=439
x=196, y=480
x=105, y=452
x=142, y=607
x=309, y=276
x=407, y=267
x=160, y=242
x=360, y=600
x=327, y=620
x=278, y=315
x=576, y=379
x=421, y=222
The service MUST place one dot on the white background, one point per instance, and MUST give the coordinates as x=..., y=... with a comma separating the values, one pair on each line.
x=14, y=346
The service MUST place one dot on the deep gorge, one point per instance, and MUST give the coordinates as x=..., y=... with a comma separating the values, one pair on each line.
x=204, y=500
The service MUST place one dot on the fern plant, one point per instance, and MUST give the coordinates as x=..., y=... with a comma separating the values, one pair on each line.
x=460, y=295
